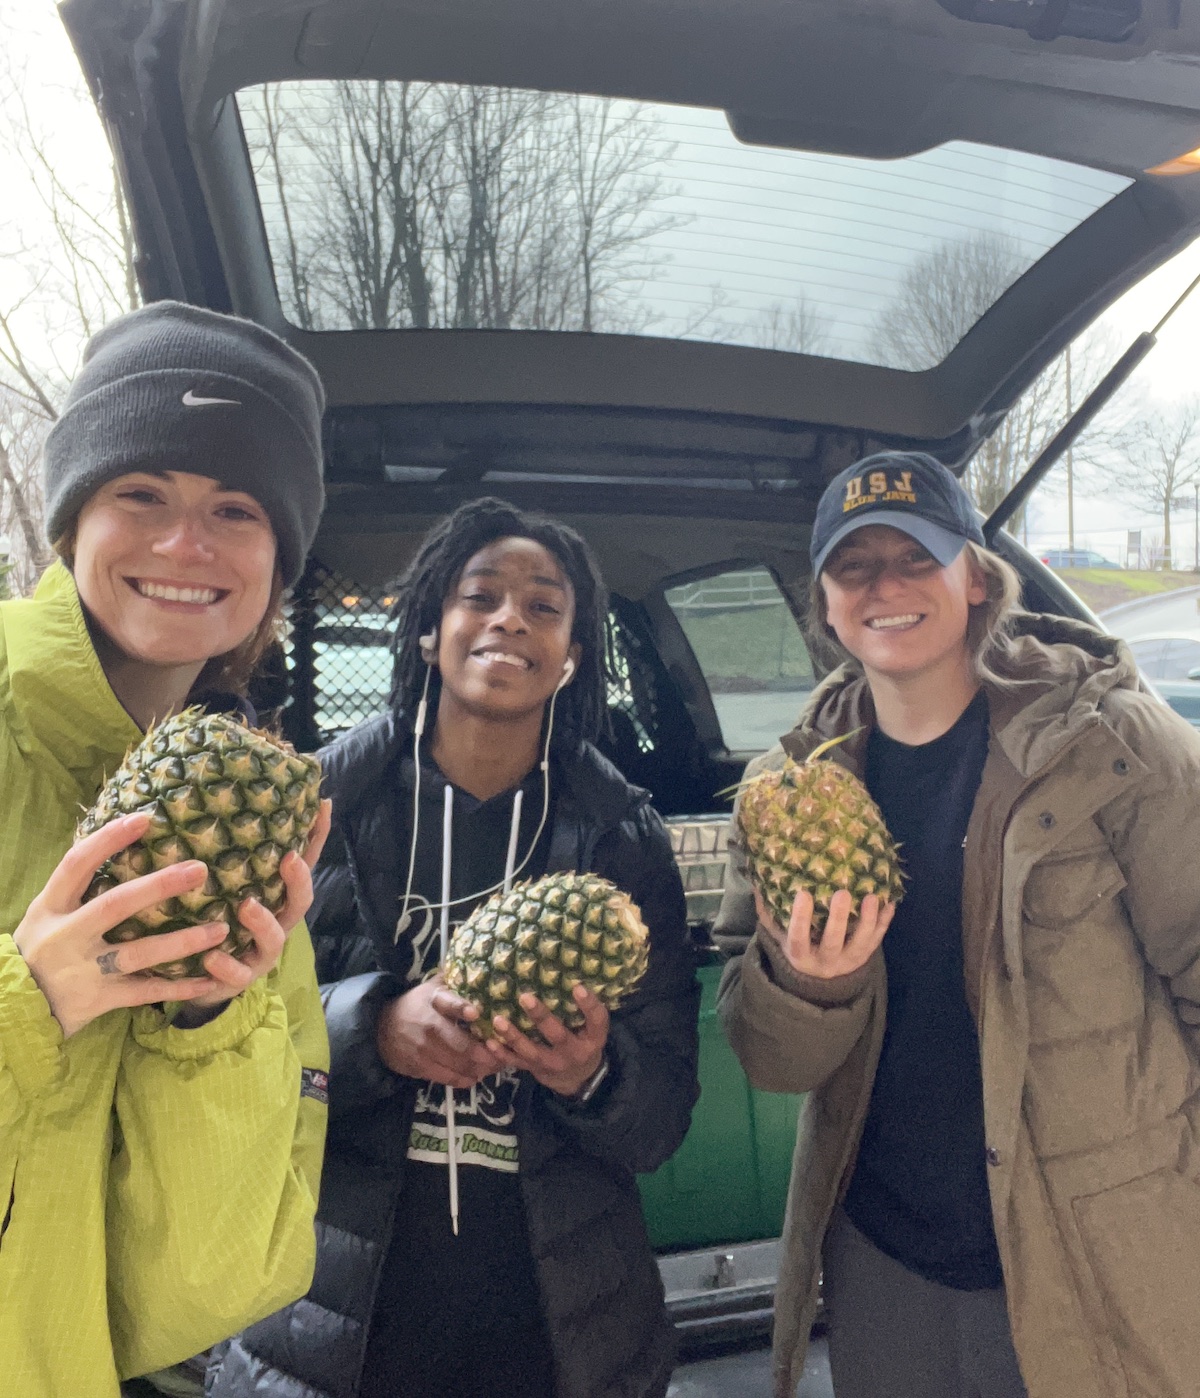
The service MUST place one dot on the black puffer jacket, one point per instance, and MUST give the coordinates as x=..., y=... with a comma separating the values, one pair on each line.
x=601, y=1293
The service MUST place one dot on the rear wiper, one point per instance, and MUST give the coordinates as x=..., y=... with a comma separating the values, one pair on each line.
x=1078, y=420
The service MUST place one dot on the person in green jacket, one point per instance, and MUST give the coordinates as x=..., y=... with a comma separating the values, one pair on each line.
x=158, y=1164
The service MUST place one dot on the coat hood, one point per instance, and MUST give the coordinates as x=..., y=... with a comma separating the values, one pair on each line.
x=1054, y=681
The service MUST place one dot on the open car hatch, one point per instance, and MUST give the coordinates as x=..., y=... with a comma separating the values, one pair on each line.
x=788, y=170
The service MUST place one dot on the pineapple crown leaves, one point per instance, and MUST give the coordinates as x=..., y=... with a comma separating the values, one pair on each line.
x=818, y=752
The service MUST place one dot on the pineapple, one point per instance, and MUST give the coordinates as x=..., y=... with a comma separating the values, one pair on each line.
x=235, y=797
x=813, y=825
x=547, y=937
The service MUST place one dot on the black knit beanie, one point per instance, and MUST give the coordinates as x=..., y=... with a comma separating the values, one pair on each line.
x=177, y=388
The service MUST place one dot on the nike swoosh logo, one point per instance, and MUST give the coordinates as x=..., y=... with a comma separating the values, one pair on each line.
x=190, y=400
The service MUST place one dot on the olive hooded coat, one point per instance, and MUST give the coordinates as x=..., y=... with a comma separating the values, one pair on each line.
x=1081, y=928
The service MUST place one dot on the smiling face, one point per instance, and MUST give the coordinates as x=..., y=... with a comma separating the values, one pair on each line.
x=173, y=568
x=895, y=608
x=505, y=633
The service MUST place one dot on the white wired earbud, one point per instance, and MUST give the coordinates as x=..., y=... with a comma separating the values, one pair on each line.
x=428, y=645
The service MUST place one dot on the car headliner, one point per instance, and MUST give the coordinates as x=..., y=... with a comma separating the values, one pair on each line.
x=874, y=77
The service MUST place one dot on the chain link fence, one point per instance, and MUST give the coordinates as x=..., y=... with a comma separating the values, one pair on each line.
x=339, y=664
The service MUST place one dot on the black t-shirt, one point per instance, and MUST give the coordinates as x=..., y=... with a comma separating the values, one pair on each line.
x=457, y=1316
x=919, y=1190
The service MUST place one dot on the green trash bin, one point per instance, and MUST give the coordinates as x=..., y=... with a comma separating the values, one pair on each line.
x=728, y=1181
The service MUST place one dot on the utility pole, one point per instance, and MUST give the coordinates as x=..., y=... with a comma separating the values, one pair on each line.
x=1070, y=465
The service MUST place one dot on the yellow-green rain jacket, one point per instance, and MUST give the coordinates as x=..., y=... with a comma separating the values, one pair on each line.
x=157, y=1185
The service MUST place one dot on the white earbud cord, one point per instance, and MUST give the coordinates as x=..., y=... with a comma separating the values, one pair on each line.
x=418, y=730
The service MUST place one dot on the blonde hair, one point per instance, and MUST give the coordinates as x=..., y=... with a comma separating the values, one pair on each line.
x=989, y=639
x=231, y=672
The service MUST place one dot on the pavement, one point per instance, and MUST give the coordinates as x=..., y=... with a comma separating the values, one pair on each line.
x=747, y=1374
x=1168, y=611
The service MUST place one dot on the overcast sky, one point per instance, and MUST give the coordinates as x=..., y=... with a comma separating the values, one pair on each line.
x=39, y=49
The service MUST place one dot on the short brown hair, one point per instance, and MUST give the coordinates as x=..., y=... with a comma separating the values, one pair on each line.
x=232, y=672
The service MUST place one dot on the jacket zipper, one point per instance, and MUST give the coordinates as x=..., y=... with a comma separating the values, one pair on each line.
x=12, y=1194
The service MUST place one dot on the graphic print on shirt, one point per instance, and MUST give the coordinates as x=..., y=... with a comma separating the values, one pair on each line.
x=418, y=910
x=484, y=1115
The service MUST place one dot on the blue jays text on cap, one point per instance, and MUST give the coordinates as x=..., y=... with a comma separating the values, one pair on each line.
x=910, y=491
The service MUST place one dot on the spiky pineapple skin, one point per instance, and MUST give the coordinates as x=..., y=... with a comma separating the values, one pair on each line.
x=813, y=825
x=547, y=937
x=235, y=797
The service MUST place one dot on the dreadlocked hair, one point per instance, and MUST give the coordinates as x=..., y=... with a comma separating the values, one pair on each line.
x=581, y=713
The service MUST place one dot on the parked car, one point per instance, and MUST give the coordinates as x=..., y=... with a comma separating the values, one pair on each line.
x=661, y=270
x=1170, y=660
x=1168, y=655
x=1076, y=558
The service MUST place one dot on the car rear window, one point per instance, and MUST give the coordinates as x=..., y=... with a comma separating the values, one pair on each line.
x=438, y=206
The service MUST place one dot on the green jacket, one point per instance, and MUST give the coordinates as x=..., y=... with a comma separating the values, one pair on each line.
x=157, y=1185
x=1081, y=940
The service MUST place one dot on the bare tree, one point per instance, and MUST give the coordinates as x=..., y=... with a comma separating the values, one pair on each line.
x=71, y=264
x=942, y=295
x=799, y=325
x=431, y=205
x=1153, y=461
x=945, y=293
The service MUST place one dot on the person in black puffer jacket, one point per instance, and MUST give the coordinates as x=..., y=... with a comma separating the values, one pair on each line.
x=550, y=1289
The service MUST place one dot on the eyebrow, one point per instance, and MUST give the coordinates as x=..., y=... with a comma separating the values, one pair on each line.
x=483, y=571
x=164, y=476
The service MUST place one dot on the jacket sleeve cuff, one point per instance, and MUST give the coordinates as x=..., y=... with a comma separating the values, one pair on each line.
x=250, y=1010
x=605, y=1115
x=836, y=990
x=31, y=1039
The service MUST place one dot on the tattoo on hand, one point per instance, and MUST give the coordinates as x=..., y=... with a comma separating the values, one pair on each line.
x=107, y=961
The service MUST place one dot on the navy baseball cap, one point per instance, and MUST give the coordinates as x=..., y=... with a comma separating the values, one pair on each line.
x=906, y=489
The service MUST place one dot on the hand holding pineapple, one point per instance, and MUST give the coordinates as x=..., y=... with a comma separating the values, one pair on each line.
x=82, y=975
x=845, y=945
x=233, y=974
x=63, y=939
x=567, y=1058
x=420, y=1035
